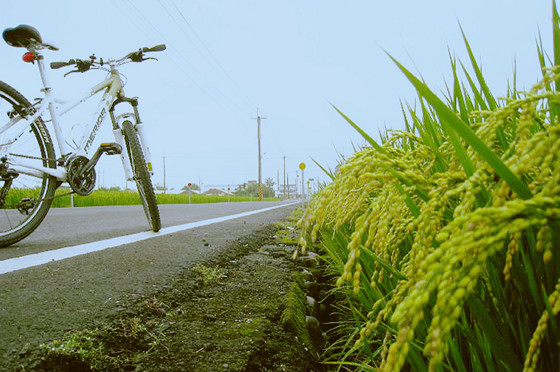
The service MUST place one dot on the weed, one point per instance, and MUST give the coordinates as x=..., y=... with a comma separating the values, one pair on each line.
x=208, y=275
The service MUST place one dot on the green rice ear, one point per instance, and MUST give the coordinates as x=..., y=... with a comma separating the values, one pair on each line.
x=467, y=134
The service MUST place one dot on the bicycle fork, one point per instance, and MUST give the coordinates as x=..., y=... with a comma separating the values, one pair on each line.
x=119, y=136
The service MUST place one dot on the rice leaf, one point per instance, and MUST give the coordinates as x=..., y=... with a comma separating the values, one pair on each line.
x=386, y=265
x=556, y=38
x=422, y=194
x=428, y=122
x=459, y=149
x=464, y=130
x=456, y=357
x=478, y=98
x=366, y=136
x=501, y=350
x=327, y=172
x=530, y=269
x=409, y=127
x=440, y=165
x=409, y=202
x=553, y=327
x=484, y=87
x=542, y=60
x=458, y=98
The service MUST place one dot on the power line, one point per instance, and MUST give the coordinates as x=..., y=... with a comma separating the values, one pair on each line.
x=213, y=92
x=214, y=59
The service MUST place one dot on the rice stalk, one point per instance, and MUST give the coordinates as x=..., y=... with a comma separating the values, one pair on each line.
x=453, y=228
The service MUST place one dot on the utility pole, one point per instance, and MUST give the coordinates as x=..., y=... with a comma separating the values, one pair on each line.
x=164, y=174
x=284, y=194
x=260, y=166
x=302, y=167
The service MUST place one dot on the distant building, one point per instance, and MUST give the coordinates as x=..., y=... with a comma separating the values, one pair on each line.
x=217, y=192
x=291, y=191
x=187, y=192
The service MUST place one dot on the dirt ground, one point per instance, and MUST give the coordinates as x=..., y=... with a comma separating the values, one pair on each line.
x=220, y=314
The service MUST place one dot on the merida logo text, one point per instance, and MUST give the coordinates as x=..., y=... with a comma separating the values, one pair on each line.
x=95, y=129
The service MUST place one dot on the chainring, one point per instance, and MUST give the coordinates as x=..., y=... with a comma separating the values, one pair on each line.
x=81, y=183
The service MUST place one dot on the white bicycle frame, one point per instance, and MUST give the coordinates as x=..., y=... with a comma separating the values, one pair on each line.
x=113, y=94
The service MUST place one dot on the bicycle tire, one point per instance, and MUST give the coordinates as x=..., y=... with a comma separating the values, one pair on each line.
x=27, y=193
x=141, y=175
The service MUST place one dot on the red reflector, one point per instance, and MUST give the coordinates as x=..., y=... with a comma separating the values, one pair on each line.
x=28, y=57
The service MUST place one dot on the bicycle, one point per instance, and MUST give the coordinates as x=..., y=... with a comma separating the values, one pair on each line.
x=31, y=172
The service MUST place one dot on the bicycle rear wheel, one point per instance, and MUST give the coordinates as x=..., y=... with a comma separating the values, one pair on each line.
x=24, y=199
x=141, y=175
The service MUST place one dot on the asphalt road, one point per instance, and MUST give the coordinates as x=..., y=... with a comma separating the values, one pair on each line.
x=65, y=227
x=43, y=302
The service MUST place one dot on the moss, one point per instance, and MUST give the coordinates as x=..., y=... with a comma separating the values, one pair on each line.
x=254, y=327
x=293, y=316
x=287, y=231
x=287, y=238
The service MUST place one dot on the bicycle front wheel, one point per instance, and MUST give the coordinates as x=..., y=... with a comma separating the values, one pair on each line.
x=25, y=194
x=141, y=175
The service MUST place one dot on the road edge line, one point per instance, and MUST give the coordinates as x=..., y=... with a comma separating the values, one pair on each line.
x=37, y=259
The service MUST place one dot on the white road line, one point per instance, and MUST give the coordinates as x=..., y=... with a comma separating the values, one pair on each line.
x=24, y=262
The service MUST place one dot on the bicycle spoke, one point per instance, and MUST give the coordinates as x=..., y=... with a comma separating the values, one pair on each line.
x=25, y=198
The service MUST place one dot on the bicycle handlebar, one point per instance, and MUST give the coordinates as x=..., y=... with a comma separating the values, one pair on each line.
x=157, y=48
x=55, y=65
x=139, y=55
x=84, y=65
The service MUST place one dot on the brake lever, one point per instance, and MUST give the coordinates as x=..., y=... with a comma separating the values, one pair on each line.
x=135, y=56
x=70, y=72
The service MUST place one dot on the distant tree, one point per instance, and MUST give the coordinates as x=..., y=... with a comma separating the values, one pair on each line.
x=248, y=189
x=193, y=186
x=269, y=182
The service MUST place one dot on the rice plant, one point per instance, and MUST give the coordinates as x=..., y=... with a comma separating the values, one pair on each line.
x=451, y=228
x=104, y=197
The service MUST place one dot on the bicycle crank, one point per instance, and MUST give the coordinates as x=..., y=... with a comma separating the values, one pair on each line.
x=82, y=183
x=81, y=171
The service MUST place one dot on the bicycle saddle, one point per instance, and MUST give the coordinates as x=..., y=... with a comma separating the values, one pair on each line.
x=24, y=36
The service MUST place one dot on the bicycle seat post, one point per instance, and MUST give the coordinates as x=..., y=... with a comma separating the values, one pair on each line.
x=49, y=96
x=42, y=71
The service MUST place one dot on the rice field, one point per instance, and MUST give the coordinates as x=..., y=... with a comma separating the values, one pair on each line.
x=103, y=197
x=444, y=238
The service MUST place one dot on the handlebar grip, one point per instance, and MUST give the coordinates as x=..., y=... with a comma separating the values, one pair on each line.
x=157, y=48
x=55, y=65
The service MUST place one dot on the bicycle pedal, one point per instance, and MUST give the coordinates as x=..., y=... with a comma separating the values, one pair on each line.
x=111, y=148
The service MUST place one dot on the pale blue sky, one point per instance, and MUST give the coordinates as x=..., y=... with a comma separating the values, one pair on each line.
x=290, y=59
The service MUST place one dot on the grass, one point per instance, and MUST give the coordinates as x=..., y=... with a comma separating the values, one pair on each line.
x=103, y=197
x=209, y=275
x=444, y=236
x=101, y=349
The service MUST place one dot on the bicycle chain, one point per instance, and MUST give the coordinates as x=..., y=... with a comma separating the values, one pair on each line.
x=47, y=159
x=31, y=157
